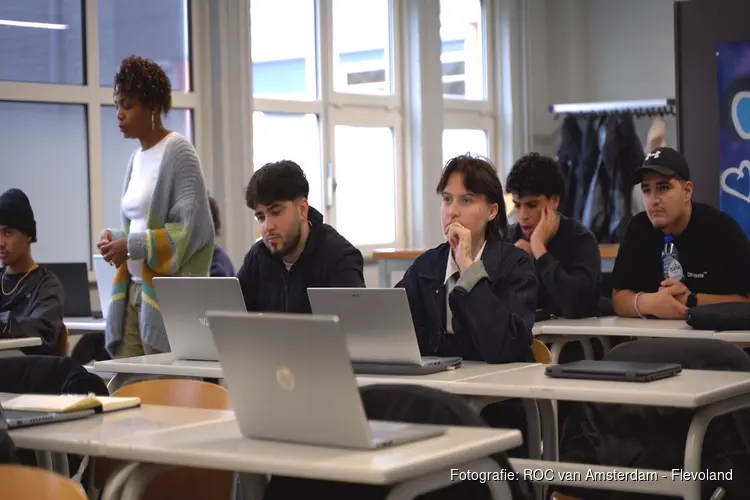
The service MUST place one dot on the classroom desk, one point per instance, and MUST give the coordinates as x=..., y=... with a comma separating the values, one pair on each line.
x=415, y=468
x=176, y=436
x=84, y=325
x=391, y=260
x=561, y=331
x=166, y=365
x=710, y=393
x=13, y=344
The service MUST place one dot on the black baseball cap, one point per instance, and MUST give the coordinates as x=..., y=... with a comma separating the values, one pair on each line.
x=665, y=161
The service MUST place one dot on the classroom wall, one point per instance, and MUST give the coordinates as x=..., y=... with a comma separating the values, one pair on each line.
x=597, y=50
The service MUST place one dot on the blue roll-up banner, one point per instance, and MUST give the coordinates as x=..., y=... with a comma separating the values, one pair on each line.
x=733, y=65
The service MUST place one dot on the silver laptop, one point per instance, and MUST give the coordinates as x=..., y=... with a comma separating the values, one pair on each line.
x=290, y=378
x=105, y=278
x=184, y=301
x=379, y=330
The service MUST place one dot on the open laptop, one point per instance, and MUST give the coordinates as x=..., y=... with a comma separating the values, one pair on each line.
x=379, y=330
x=184, y=301
x=105, y=278
x=74, y=277
x=625, y=371
x=289, y=378
x=15, y=419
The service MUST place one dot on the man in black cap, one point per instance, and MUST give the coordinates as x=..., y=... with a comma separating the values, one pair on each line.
x=31, y=298
x=677, y=254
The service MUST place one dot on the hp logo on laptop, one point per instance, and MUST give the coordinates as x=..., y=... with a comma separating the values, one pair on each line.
x=285, y=378
x=203, y=321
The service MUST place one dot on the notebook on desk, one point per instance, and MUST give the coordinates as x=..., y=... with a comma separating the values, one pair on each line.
x=68, y=403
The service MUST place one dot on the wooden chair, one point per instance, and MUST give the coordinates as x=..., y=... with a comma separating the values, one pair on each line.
x=20, y=482
x=541, y=352
x=62, y=342
x=182, y=482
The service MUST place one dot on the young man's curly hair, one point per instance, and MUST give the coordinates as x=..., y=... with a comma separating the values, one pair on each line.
x=534, y=174
x=146, y=81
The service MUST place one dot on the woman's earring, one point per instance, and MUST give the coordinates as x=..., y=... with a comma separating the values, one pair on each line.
x=153, y=124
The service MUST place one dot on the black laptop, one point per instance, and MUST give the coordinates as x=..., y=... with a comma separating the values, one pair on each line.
x=74, y=277
x=623, y=371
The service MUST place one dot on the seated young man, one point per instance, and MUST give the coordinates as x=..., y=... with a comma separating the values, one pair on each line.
x=31, y=298
x=297, y=249
x=565, y=252
x=713, y=254
x=475, y=295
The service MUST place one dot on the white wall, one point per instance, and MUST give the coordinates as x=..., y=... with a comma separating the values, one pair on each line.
x=597, y=50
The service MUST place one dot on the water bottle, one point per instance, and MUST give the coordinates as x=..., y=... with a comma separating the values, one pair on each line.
x=670, y=261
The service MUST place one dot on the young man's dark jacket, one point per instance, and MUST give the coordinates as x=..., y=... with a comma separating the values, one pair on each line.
x=493, y=304
x=328, y=260
x=34, y=309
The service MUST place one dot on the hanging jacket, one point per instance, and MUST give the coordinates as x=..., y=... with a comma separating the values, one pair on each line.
x=569, y=157
x=597, y=210
x=630, y=157
x=586, y=167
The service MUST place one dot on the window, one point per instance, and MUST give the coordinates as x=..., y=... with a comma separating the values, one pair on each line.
x=339, y=116
x=283, y=52
x=362, y=47
x=42, y=41
x=366, y=184
x=271, y=143
x=461, y=141
x=157, y=30
x=116, y=152
x=462, y=49
x=45, y=153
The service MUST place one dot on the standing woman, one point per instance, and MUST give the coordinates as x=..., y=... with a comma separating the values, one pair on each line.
x=166, y=223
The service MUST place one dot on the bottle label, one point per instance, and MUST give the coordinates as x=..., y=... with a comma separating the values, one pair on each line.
x=673, y=269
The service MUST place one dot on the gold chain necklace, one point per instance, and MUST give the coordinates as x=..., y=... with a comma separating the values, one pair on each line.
x=2, y=281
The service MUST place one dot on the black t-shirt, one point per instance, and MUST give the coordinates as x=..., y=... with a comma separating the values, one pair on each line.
x=713, y=251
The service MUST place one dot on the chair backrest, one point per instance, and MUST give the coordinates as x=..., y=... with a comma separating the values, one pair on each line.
x=62, y=342
x=183, y=393
x=182, y=482
x=20, y=482
x=541, y=352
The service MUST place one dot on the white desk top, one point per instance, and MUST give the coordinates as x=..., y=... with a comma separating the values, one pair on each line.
x=85, y=324
x=736, y=336
x=616, y=326
x=161, y=364
x=93, y=435
x=165, y=364
x=469, y=370
x=689, y=389
x=9, y=344
x=220, y=445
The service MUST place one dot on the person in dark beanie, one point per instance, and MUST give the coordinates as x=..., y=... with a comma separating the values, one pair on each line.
x=31, y=297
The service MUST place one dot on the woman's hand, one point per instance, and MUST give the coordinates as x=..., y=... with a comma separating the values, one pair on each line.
x=115, y=252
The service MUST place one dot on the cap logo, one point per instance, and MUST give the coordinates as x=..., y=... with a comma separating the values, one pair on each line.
x=655, y=154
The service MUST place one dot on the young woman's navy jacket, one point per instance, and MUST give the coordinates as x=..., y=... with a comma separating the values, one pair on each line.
x=493, y=304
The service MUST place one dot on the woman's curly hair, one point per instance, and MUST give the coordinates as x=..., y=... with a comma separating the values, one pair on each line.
x=146, y=81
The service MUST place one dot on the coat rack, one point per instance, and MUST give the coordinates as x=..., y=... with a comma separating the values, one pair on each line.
x=639, y=108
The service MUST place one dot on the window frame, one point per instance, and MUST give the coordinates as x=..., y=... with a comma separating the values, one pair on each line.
x=344, y=108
